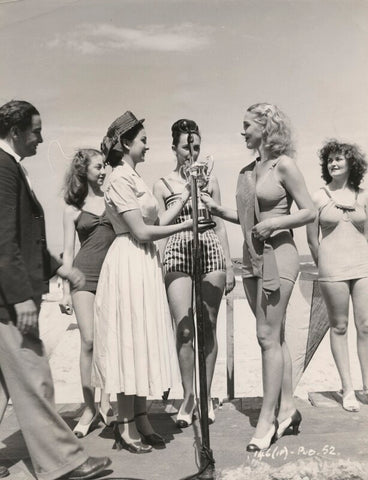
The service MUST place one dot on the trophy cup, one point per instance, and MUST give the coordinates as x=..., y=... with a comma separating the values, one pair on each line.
x=202, y=170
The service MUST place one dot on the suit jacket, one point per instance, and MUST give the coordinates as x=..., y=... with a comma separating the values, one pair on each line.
x=258, y=256
x=25, y=262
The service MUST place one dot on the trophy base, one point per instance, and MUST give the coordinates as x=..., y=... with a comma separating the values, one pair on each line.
x=206, y=222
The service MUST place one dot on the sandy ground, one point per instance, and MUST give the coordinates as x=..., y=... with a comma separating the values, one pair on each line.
x=332, y=445
x=62, y=341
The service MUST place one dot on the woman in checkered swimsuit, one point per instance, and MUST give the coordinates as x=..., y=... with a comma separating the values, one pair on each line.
x=216, y=268
x=178, y=251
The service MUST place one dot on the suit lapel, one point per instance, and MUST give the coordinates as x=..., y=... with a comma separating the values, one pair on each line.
x=28, y=187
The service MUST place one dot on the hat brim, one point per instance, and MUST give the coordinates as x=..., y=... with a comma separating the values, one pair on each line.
x=108, y=143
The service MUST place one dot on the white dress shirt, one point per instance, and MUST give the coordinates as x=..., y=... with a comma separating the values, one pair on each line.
x=8, y=149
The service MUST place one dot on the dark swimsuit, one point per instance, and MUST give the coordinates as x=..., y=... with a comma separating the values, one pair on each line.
x=178, y=251
x=95, y=234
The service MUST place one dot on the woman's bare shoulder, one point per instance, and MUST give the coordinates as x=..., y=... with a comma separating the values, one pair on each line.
x=71, y=211
x=285, y=163
x=363, y=194
x=319, y=196
x=160, y=187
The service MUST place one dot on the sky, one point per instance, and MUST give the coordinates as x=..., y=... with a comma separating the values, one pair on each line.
x=82, y=63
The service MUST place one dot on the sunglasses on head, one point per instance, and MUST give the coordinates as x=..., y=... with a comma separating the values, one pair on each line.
x=187, y=126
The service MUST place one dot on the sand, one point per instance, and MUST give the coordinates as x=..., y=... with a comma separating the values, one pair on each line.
x=62, y=342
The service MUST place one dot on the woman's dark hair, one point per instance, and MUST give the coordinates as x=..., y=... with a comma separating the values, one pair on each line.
x=76, y=184
x=115, y=156
x=354, y=157
x=183, y=126
x=16, y=113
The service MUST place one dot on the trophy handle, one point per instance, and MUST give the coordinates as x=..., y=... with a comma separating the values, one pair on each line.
x=206, y=218
x=184, y=170
x=197, y=169
x=210, y=164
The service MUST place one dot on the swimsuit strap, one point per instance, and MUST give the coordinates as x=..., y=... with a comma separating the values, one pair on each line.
x=344, y=208
x=167, y=186
x=92, y=213
x=271, y=167
x=327, y=192
x=275, y=163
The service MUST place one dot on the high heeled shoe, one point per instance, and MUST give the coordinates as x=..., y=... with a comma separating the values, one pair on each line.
x=153, y=438
x=289, y=426
x=257, y=444
x=349, y=401
x=363, y=395
x=81, y=430
x=107, y=419
x=211, y=412
x=184, y=420
x=133, y=447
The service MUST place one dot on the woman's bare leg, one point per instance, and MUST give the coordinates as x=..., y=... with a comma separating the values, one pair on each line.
x=287, y=403
x=83, y=303
x=269, y=316
x=213, y=285
x=179, y=293
x=359, y=291
x=336, y=296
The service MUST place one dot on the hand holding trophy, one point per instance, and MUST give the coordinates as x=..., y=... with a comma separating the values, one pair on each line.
x=202, y=169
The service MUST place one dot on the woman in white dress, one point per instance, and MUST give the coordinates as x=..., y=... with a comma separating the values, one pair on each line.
x=134, y=351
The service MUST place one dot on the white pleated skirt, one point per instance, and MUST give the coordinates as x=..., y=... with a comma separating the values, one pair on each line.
x=134, y=346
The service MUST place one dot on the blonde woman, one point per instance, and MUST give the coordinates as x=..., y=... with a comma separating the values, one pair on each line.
x=265, y=192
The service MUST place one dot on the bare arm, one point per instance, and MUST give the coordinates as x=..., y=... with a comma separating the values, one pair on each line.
x=219, y=210
x=294, y=183
x=69, y=217
x=222, y=235
x=149, y=233
x=313, y=239
x=159, y=193
x=313, y=232
x=166, y=217
x=366, y=212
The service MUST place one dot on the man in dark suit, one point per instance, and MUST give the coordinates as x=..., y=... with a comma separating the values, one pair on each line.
x=25, y=267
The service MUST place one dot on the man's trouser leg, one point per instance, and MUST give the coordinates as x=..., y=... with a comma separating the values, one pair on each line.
x=53, y=448
x=4, y=395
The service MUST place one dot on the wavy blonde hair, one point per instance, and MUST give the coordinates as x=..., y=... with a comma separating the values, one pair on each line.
x=277, y=131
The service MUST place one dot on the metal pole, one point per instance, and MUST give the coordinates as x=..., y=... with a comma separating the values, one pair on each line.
x=207, y=461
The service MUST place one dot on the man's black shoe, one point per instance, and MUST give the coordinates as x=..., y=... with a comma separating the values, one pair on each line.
x=89, y=469
x=4, y=472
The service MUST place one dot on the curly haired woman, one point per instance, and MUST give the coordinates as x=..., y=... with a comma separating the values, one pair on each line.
x=342, y=256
